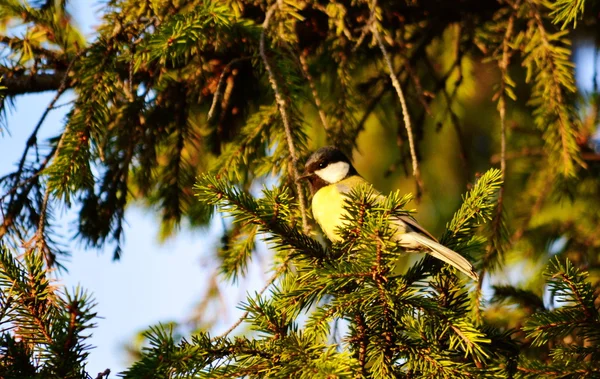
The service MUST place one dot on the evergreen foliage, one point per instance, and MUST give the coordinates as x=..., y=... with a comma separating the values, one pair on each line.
x=189, y=106
x=44, y=328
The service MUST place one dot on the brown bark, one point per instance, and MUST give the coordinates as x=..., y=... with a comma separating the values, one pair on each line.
x=17, y=84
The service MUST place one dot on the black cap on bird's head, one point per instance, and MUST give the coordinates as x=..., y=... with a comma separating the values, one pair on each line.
x=326, y=166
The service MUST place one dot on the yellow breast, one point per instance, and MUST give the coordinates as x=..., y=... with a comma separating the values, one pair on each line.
x=328, y=205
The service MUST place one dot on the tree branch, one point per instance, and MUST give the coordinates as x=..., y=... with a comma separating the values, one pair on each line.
x=282, y=106
x=19, y=84
x=407, y=123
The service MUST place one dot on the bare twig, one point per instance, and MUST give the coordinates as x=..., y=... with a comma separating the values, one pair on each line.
x=523, y=153
x=245, y=315
x=64, y=104
x=282, y=106
x=373, y=100
x=32, y=140
x=221, y=85
x=407, y=124
x=313, y=89
x=36, y=174
x=418, y=87
x=103, y=374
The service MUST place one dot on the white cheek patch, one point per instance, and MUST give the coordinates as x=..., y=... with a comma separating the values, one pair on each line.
x=334, y=172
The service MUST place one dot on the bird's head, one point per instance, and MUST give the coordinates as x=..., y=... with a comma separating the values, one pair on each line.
x=328, y=165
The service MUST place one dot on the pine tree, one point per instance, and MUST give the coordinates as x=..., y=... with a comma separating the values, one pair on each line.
x=189, y=105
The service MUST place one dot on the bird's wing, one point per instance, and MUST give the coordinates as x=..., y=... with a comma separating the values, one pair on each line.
x=418, y=228
x=347, y=184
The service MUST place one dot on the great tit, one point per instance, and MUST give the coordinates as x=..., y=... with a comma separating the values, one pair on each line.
x=331, y=176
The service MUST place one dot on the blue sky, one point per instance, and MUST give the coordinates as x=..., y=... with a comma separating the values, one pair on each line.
x=152, y=282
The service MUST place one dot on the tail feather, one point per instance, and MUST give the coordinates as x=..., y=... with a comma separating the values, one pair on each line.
x=440, y=252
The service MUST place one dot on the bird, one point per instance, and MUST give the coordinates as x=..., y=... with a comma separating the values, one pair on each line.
x=332, y=176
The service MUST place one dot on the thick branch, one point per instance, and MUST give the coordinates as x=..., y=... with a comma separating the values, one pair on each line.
x=22, y=84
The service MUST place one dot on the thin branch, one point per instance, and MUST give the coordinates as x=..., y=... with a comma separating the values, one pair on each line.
x=595, y=77
x=245, y=315
x=36, y=174
x=103, y=374
x=503, y=63
x=523, y=153
x=363, y=341
x=32, y=140
x=64, y=104
x=221, y=85
x=313, y=89
x=128, y=89
x=282, y=106
x=38, y=238
x=497, y=221
x=421, y=95
x=410, y=60
x=407, y=124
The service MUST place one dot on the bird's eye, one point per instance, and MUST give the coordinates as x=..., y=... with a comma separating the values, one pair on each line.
x=322, y=164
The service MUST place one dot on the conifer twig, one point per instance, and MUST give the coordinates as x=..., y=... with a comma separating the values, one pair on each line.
x=282, y=106
x=245, y=315
x=407, y=123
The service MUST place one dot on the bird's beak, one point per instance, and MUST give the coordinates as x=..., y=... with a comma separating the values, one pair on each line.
x=304, y=176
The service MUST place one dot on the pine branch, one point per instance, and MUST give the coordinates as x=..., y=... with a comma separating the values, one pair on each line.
x=186, y=35
x=251, y=146
x=51, y=326
x=567, y=11
x=571, y=287
x=477, y=208
x=270, y=219
x=547, y=57
x=244, y=316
